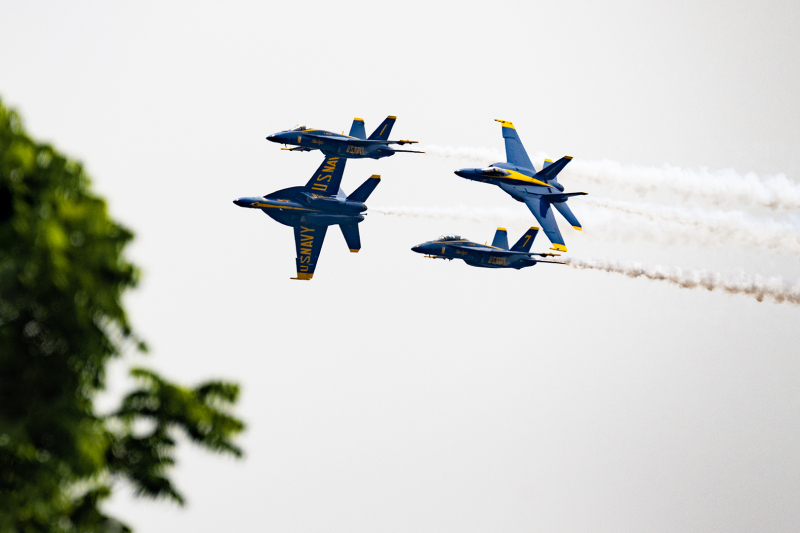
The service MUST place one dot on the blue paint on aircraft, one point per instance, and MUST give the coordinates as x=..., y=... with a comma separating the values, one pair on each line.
x=498, y=255
x=355, y=145
x=540, y=191
x=312, y=208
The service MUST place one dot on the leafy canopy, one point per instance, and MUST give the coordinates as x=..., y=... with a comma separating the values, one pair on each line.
x=62, y=275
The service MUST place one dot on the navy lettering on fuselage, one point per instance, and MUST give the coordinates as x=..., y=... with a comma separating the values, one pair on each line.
x=358, y=150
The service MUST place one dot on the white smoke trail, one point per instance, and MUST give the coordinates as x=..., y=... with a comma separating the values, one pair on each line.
x=717, y=187
x=479, y=156
x=610, y=219
x=459, y=212
x=702, y=227
x=737, y=282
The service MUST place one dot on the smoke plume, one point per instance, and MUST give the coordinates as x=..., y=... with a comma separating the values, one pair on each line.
x=608, y=219
x=737, y=282
x=716, y=187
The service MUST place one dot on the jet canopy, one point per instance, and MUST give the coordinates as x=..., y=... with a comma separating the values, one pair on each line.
x=494, y=171
x=445, y=238
x=299, y=127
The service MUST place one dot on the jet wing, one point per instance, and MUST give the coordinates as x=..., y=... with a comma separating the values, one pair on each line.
x=308, y=241
x=515, y=152
x=328, y=177
x=484, y=249
x=543, y=211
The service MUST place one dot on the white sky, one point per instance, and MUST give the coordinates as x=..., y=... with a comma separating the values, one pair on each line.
x=395, y=393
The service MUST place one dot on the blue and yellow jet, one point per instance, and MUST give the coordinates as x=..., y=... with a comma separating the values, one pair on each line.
x=498, y=255
x=538, y=190
x=355, y=145
x=314, y=207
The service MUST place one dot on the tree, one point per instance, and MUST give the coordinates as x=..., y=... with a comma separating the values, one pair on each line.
x=62, y=275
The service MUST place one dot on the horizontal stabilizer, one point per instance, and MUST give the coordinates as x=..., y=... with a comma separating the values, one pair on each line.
x=551, y=171
x=351, y=236
x=564, y=209
x=500, y=239
x=547, y=163
x=357, y=129
x=526, y=241
x=362, y=193
x=554, y=197
x=382, y=132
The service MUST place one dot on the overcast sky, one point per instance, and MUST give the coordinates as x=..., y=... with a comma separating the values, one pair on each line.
x=396, y=393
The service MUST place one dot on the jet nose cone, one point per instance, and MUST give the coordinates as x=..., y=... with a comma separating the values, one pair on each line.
x=240, y=203
x=420, y=249
x=464, y=172
x=274, y=138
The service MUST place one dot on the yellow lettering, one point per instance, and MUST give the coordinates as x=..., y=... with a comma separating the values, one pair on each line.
x=332, y=163
x=527, y=238
x=319, y=187
x=324, y=178
x=304, y=268
x=305, y=259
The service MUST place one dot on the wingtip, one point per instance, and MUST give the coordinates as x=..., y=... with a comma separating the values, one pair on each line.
x=559, y=247
x=355, y=250
x=303, y=276
x=578, y=228
x=505, y=123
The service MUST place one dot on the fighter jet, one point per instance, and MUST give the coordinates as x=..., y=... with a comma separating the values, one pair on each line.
x=538, y=190
x=355, y=145
x=314, y=207
x=481, y=255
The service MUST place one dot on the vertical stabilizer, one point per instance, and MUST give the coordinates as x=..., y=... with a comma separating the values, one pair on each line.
x=526, y=241
x=550, y=171
x=365, y=189
x=357, y=129
x=382, y=132
x=500, y=239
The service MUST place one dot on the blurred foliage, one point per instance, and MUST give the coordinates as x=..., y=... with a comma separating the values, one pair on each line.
x=62, y=275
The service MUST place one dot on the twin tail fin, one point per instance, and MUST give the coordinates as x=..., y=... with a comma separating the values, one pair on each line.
x=382, y=132
x=526, y=241
x=500, y=239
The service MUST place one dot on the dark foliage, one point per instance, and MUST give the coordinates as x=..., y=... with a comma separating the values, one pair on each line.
x=62, y=274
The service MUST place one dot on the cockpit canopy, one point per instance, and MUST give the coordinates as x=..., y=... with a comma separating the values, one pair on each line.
x=445, y=238
x=494, y=171
x=299, y=127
